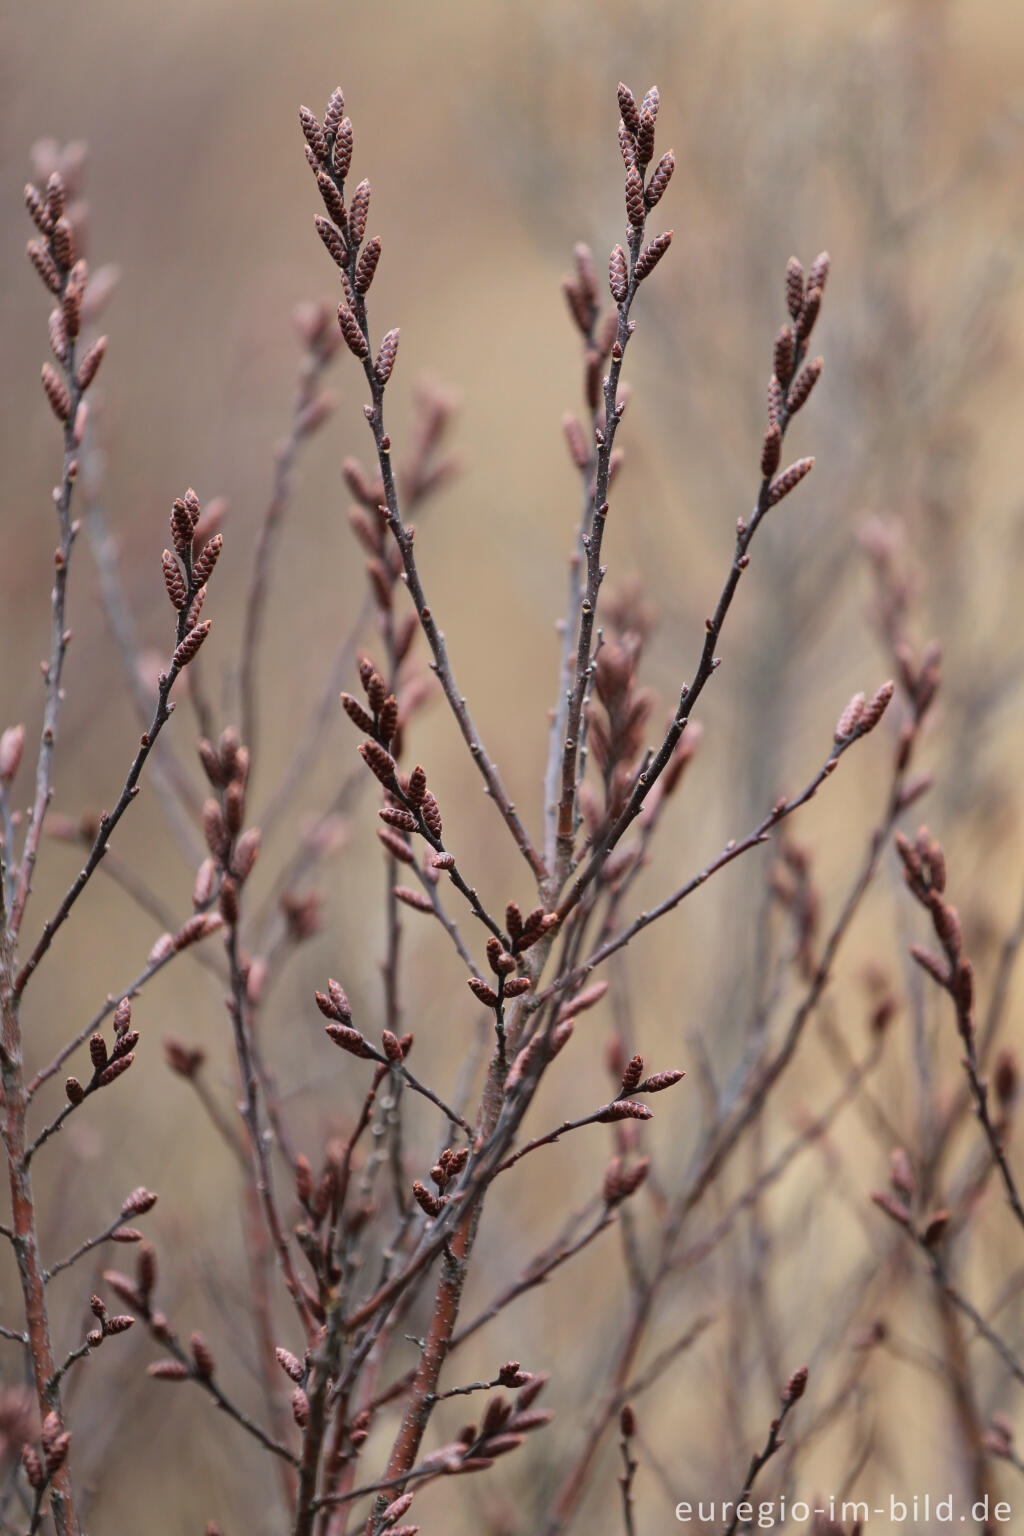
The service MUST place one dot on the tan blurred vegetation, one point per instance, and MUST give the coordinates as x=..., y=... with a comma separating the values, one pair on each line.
x=893, y=135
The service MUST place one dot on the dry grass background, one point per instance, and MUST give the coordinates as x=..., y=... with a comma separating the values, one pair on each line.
x=893, y=135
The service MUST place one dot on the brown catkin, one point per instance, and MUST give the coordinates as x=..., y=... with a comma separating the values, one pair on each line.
x=618, y=276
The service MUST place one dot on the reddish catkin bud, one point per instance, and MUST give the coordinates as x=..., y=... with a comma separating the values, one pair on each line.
x=289, y=1364
x=332, y=239
x=202, y=1357
x=181, y=526
x=181, y=1059
x=303, y=1178
x=652, y=254
x=123, y=1287
x=645, y=137
x=481, y=990
x=660, y=178
x=580, y=307
x=635, y=209
x=335, y=110
x=628, y=109
x=357, y=714
x=627, y=146
x=417, y=787
x=90, y=364
x=774, y=400
x=215, y=830
x=946, y=920
x=794, y=286
x=58, y=336
x=428, y=1202
x=125, y=1043
x=56, y=393
x=74, y=1090
x=503, y=964
x=246, y=853
x=36, y=205
x=71, y=304
x=415, y=899
x=789, y=480
x=169, y=1370
x=138, y=1202
x=44, y=265
x=514, y=921
x=808, y=314
x=632, y=1075
x=313, y=133
x=784, y=353
x=1006, y=1078
x=396, y=1510
x=33, y=1467
x=375, y=689
x=517, y=985
x=588, y=998
x=522, y=1423
x=392, y=1046
x=431, y=815
x=385, y=361
x=624, y=1109
x=300, y=1407
x=196, y=928
x=398, y=816
x=659, y=1081
x=115, y=1070
x=818, y=275
x=804, y=383
x=55, y=1443
x=192, y=617
x=174, y=581
x=354, y=338
x=358, y=211
x=771, y=450
x=849, y=719
x=500, y=1445
x=189, y=647
x=387, y=721
x=796, y=1386
x=367, y=265
x=347, y=1039
x=380, y=763
x=632, y=1178
x=876, y=707
x=331, y=196
x=211, y=762
x=499, y=1411
x=343, y=149
x=339, y=1001
x=207, y=559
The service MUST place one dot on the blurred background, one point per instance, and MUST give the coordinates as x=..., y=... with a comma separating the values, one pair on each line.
x=891, y=134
